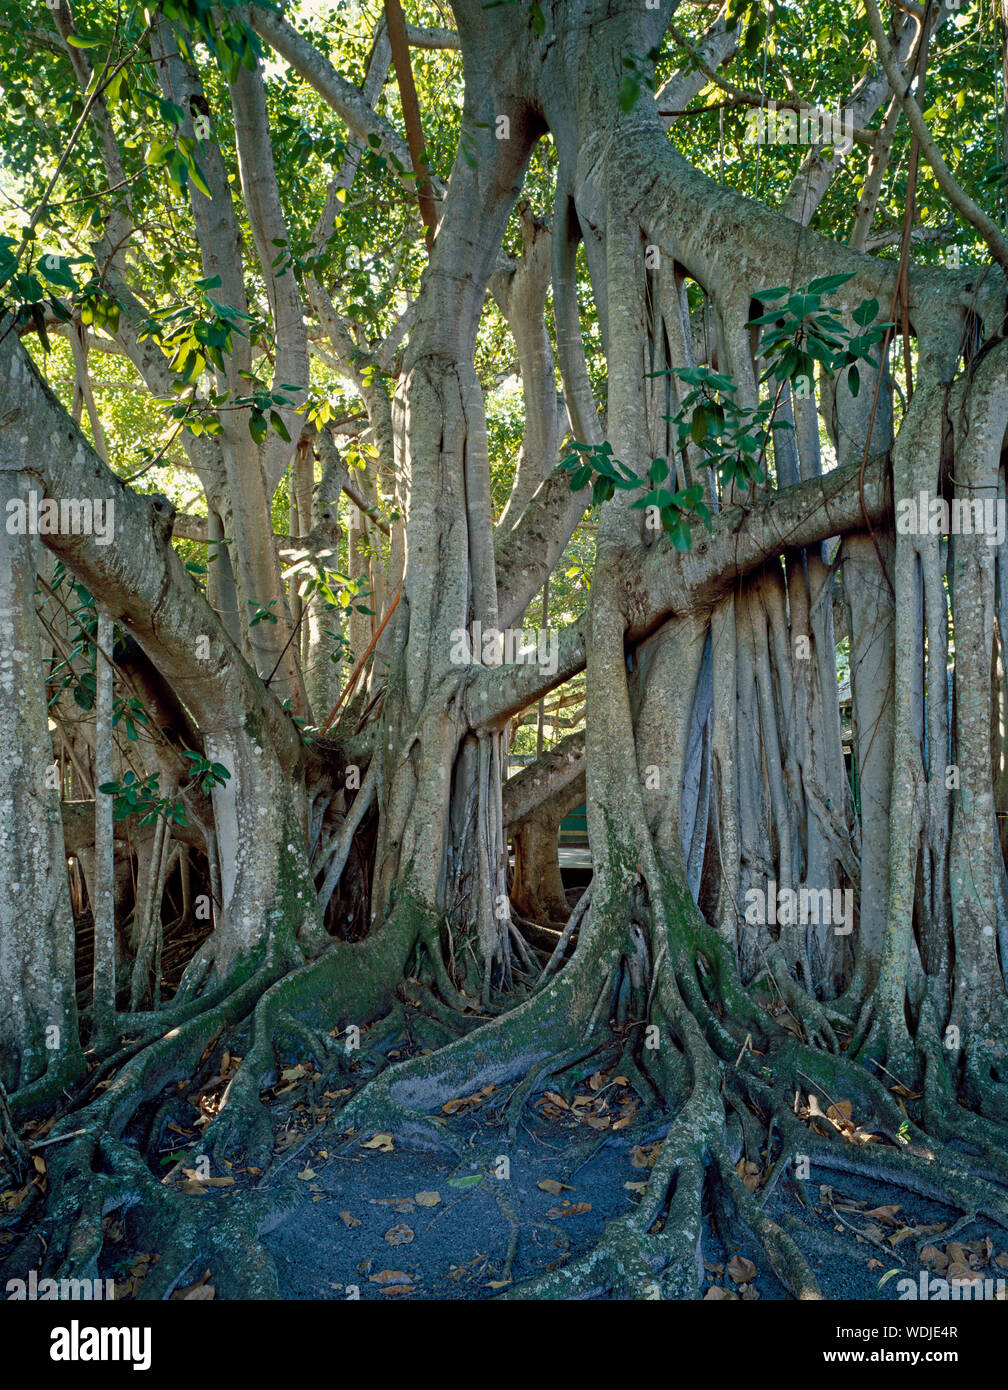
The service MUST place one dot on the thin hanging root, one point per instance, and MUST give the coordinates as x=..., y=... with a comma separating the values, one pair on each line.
x=451, y=996
x=573, y=922
x=528, y=960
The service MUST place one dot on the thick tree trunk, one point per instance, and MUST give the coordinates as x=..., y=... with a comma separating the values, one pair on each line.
x=38, y=1012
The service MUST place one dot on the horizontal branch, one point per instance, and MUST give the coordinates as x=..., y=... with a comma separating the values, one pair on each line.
x=661, y=581
x=551, y=773
x=134, y=573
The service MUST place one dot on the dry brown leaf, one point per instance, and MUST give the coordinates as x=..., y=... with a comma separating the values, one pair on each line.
x=901, y=1235
x=553, y=1187
x=717, y=1293
x=306, y=1175
x=740, y=1270
x=201, y=1291
x=452, y=1107
x=348, y=1220
x=399, y=1235
x=382, y=1142
x=198, y=1292
x=428, y=1199
x=391, y=1276
x=887, y=1214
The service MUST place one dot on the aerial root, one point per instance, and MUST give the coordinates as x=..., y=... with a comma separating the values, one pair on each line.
x=539, y=1076
x=786, y=1260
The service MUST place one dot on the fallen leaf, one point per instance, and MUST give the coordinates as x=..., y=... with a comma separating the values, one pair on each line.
x=718, y=1294
x=575, y=1209
x=391, y=1276
x=884, y=1214
x=399, y=1235
x=428, y=1199
x=740, y=1270
x=203, y=1290
x=901, y=1235
x=382, y=1142
x=553, y=1187
x=452, y=1107
x=306, y=1174
x=196, y=1293
x=348, y=1220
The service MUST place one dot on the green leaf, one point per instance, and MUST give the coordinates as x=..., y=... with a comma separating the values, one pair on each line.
x=196, y=174
x=827, y=284
x=866, y=312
